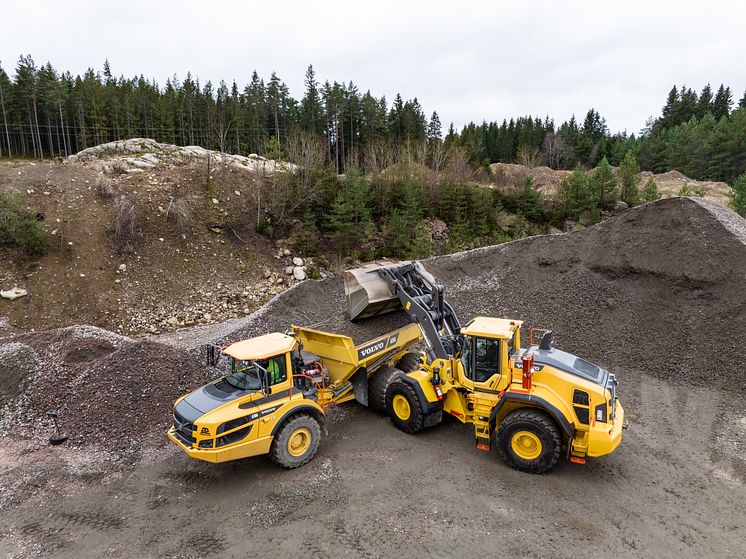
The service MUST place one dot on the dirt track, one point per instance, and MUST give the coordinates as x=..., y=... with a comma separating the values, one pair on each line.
x=656, y=295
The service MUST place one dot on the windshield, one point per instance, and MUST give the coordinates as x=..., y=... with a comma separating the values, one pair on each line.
x=243, y=374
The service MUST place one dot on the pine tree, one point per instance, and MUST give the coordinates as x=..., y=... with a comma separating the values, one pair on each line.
x=575, y=192
x=630, y=179
x=704, y=105
x=670, y=109
x=650, y=191
x=604, y=185
x=738, y=195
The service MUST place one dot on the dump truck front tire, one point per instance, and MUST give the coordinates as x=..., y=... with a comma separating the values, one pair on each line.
x=378, y=384
x=529, y=441
x=296, y=442
x=404, y=408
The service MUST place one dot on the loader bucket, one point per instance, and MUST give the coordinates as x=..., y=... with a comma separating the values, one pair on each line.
x=367, y=292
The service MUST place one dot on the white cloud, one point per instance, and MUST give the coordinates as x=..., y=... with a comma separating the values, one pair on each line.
x=467, y=60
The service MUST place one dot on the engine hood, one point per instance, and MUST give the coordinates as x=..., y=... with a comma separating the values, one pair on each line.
x=209, y=397
x=572, y=364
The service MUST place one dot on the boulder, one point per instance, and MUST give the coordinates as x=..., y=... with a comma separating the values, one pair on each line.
x=299, y=273
x=13, y=294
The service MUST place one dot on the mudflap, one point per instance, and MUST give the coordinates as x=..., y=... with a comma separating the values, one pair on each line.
x=359, y=381
x=433, y=418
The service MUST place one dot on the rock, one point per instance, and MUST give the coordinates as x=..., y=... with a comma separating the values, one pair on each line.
x=123, y=267
x=438, y=229
x=555, y=231
x=297, y=261
x=207, y=316
x=215, y=201
x=620, y=206
x=13, y=294
x=278, y=289
x=289, y=270
x=299, y=273
x=267, y=273
x=173, y=321
x=285, y=252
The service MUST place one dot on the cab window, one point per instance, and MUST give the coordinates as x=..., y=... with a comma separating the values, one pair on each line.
x=486, y=358
x=276, y=368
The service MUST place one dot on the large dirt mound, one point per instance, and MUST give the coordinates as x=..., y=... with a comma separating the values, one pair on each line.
x=109, y=390
x=509, y=178
x=659, y=288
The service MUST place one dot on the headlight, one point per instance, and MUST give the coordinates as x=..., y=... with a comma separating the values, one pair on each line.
x=207, y=443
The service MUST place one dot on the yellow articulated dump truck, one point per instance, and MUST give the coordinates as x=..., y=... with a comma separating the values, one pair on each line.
x=275, y=389
x=534, y=404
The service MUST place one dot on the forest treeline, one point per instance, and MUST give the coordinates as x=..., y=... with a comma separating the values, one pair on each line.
x=47, y=113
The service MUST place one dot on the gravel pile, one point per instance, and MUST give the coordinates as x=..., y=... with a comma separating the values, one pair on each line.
x=659, y=288
x=108, y=390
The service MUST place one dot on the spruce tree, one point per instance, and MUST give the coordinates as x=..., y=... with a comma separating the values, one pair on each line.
x=722, y=103
x=350, y=217
x=434, y=131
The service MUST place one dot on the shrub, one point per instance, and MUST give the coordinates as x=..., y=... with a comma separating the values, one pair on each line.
x=650, y=192
x=19, y=227
x=179, y=213
x=127, y=222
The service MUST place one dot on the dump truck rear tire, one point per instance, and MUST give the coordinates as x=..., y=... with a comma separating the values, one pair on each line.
x=529, y=441
x=296, y=442
x=378, y=384
x=404, y=408
x=410, y=362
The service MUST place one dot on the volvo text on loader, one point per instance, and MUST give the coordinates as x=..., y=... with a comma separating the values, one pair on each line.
x=534, y=404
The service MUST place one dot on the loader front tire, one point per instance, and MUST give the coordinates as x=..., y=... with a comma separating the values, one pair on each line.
x=529, y=441
x=378, y=384
x=404, y=408
x=296, y=442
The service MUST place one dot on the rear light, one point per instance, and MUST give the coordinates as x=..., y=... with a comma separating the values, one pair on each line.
x=601, y=412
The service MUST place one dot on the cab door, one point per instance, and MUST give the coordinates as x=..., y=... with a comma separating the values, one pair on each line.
x=482, y=362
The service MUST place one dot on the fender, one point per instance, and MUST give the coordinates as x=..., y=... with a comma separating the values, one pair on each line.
x=314, y=411
x=427, y=406
x=567, y=428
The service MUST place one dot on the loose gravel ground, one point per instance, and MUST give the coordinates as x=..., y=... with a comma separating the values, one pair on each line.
x=657, y=295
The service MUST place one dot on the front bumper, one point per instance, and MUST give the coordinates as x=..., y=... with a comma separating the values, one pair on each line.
x=604, y=441
x=245, y=449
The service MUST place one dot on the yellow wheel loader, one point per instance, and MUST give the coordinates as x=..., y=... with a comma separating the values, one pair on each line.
x=535, y=404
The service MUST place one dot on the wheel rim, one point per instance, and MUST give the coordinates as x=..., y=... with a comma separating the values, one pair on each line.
x=299, y=442
x=526, y=445
x=401, y=407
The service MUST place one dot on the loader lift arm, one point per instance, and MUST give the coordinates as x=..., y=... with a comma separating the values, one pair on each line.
x=422, y=299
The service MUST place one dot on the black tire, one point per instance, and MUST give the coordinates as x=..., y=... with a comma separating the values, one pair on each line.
x=378, y=384
x=415, y=421
x=410, y=362
x=543, y=428
x=280, y=451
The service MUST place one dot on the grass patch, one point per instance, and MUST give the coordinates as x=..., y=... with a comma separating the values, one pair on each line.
x=20, y=227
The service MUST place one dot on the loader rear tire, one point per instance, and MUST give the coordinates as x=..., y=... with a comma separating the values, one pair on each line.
x=529, y=441
x=410, y=362
x=378, y=384
x=296, y=442
x=404, y=408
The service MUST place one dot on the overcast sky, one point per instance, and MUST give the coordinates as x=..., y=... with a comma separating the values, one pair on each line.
x=467, y=60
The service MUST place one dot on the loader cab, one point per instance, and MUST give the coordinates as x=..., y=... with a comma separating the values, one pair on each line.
x=488, y=345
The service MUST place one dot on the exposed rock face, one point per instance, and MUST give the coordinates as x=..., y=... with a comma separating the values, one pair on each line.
x=140, y=154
